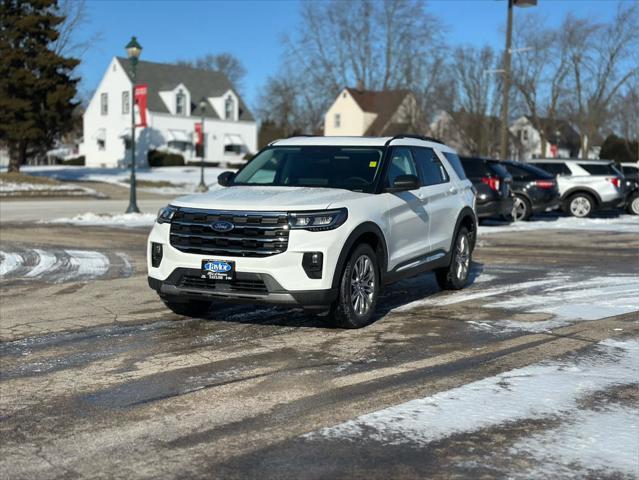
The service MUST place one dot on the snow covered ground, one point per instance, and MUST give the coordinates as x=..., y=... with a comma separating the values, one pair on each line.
x=14, y=189
x=182, y=179
x=578, y=440
x=109, y=219
x=60, y=265
x=622, y=223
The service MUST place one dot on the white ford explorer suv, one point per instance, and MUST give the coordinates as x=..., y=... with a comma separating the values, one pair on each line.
x=318, y=222
x=586, y=185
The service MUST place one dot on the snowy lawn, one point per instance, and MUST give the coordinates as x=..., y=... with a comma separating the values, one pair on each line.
x=21, y=185
x=160, y=180
x=603, y=439
x=109, y=219
x=621, y=223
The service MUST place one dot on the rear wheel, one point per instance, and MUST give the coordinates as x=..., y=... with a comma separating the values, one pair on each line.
x=188, y=308
x=522, y=210
x=455, y=276
x=580, y=205
x=633, y=204
x=358, y=290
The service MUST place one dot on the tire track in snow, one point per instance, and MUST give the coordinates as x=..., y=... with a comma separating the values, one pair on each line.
x=61, y=265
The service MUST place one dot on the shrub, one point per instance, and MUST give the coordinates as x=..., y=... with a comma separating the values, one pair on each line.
x=157, y=158
x=80, y=161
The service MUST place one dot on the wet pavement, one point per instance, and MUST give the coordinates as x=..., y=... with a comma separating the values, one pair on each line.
x=99, y=380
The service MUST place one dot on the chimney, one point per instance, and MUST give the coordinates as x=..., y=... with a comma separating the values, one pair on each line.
x=360, y=85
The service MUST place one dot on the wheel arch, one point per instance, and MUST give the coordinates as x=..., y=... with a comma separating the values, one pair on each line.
x=587, y=190
x=367, y=232
x=466, y=218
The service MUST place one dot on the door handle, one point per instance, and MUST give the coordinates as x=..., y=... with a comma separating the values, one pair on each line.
x=452, y=190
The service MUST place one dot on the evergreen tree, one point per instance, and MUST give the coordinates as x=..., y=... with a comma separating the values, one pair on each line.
x=36, y=87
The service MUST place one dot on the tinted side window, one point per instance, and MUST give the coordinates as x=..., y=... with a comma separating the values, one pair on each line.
x=555, y=168
x=401, y=164
x=431, y=169
x=597, y=169
x=474, y=167
x=632, y=172
x=519, y=173
x=454, y=161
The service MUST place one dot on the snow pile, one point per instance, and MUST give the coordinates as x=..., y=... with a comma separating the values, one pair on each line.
x=623, y=223
x=585, y=440
x=8, y=189
x=109, y=219
x=182, y=179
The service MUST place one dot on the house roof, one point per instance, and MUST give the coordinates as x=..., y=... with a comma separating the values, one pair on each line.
x=383, y=103
x=558, y=132
x=200, y=83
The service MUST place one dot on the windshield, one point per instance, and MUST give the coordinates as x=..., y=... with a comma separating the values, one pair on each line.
x=351, y=168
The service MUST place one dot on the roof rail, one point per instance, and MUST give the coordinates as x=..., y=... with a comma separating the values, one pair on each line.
x=293, y=136
x=417, y=137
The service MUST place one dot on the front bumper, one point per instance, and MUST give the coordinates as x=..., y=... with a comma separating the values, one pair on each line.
x=246, y=288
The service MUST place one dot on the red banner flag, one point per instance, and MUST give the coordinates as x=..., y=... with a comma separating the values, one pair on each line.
x=140, y=101
x=198, y=133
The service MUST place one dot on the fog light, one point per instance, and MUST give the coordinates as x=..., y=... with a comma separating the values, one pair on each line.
x=312, y=262
x=156, y=254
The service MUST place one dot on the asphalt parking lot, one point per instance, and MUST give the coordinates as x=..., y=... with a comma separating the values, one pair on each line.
x=530, y=372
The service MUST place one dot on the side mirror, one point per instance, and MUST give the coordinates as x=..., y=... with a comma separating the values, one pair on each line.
x=404, y=183
x=225, y=178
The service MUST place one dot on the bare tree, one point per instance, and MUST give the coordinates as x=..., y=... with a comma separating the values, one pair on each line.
x=601, y=63
x=540, y=71
x=477, y=98
x=69, y=43
x=225, y=62
x=381, y=45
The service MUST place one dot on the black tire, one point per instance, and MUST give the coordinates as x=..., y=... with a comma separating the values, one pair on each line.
x=580, y=205
x=633, y=204
x=454, y=277
x=344, y=312
x=188, y=308
x=522, y=209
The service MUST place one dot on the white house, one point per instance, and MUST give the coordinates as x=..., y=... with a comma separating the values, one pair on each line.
x=361, y=112
x=173, y=99
x=562, y=140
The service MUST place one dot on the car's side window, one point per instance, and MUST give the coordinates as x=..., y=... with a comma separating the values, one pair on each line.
x=430, y=168
x=555, y=168
x=401, y=164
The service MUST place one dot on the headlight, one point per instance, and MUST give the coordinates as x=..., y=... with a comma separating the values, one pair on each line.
x=165, y=215
x=317, y=221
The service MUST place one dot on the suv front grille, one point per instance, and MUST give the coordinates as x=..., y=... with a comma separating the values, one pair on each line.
x=255, y=234
x=239, y=285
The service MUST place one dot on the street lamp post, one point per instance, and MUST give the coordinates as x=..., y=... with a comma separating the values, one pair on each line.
x=202, y=186
x=503, y=150
x=133, y=50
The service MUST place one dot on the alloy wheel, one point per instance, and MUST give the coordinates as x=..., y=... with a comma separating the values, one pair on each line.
x=362, y=285
x=519, y=209
x=462, y=257
x=580, y=206
x=634, y=206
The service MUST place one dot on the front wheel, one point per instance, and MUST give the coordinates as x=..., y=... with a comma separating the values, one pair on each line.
x=580, y=205
x=455, y=276
x=358, y=290
x=633, y=204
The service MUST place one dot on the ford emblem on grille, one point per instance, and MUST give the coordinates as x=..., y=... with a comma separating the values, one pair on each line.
x=222, y=226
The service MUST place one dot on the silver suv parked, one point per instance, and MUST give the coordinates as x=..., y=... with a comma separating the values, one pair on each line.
x=586, y=185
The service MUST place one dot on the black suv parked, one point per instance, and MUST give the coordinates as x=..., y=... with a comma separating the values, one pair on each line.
x=535, y=190
x=492, y=181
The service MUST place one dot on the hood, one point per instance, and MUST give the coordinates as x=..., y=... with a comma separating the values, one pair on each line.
x=283, y=199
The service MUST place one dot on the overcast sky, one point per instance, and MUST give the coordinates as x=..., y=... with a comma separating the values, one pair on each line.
x=252, y=30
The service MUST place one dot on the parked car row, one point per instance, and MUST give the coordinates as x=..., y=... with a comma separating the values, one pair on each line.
x=578, y=187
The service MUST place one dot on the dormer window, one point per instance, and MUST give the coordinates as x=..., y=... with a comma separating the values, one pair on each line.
x=228, y=108
x=180, y=103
